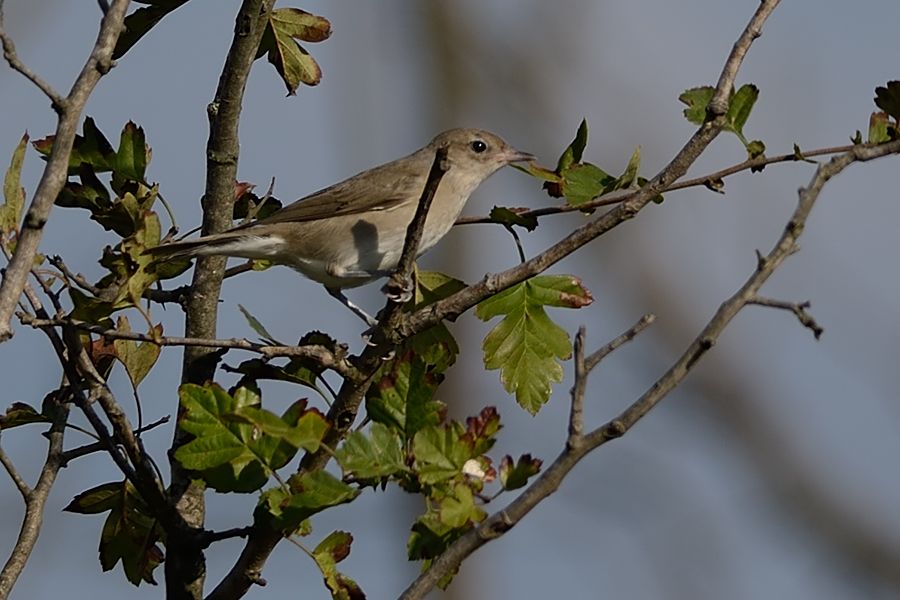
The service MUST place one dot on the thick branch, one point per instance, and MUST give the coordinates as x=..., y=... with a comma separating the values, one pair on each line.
x=185, y=563
x=55, y=172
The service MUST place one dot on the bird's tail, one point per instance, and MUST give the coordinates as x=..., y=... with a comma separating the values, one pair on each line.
x=223, y=244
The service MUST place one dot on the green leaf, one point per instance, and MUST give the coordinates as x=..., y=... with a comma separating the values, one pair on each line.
x=141, y=21
x=459, y=510
x=96, y=500
x=403, y=397
x=516, y=475
x=376, y=456
x=887, y=98
x=309, y=493
x=130, y=534
x=481, y=431
x=697, y=99
x=878, y=128
x=509, y=217
x=19, y=414
x=13, y=192
x=574, y=151
x=739, y=107
x=330, y=551
x=138, y=358
x=90, y=148
x=526, y=344
x=583, y=182
x=133, y=153
x=630, y=176
x=237, y=444
x=289, y=58
x=439, y=453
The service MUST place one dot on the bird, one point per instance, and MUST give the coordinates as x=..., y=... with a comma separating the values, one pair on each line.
x=353, y=232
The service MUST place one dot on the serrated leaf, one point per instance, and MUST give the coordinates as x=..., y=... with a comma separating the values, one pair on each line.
x=537, y=171
x=697, y=99
x=231, y=450
x=133, y=153
x=90, y=148
x=13, y=192
x=309, y=493
x=583, y=182
x=403, y=397
x=330, y=551
x=19, y=414
x=516, y=475
x=439, y=453
x=526, y=345
x=290, y=59
x=374, y=456
x=575, y=150
x=130, y=534
x=459, y=510
x=739, y=107
x=887, y=98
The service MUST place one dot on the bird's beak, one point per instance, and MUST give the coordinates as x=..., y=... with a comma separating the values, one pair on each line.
x=512, y=155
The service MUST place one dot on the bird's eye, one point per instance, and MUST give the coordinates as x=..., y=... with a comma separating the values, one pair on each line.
x=478, y=146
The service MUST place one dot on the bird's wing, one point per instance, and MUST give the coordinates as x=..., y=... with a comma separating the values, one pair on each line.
x=359, y=194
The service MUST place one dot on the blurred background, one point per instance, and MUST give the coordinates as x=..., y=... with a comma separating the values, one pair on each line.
x=772, y=472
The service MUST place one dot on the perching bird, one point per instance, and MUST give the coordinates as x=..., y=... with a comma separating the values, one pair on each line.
x=353, y=232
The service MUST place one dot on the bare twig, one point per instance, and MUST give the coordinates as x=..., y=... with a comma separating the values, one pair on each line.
x=594, y=359
x=621, y=196
x=798, y=308
x=56, y=169
x=35, y=500
x=9, y=54
x=320, y=354
x=208, y=538
x=398, y=286
x=21, y=485
x=70, y=455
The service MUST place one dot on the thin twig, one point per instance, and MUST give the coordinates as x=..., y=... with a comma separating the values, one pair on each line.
x=208, y=538
x=621, y=196
x=7, y=463
x=56, y=170
x=12, y=58
x=70, y=455
x=798, y=308
x=594, y=359
x=322, y=355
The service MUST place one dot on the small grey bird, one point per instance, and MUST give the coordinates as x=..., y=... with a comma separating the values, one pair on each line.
x=353, y=232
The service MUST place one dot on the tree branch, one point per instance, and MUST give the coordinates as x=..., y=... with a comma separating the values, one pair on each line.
x=324, y=357
x=9, y=54
x=56, y=170
x=708, y=181
x=35, y=500
x=185, y=562
x=798, y=308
